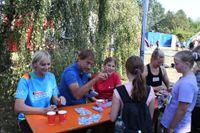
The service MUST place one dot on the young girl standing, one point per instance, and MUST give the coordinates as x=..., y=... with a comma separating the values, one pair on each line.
x=135, y=87
x=177, y=114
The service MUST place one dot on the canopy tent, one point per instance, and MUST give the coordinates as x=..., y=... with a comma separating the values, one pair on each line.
x=194, y=40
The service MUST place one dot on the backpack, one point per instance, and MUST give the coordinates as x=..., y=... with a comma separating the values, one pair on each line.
x=135, y=115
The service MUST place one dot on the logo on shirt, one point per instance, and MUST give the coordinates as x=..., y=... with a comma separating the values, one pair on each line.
x=37, y=93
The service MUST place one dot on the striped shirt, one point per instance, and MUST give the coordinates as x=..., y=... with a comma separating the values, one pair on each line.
x=197, y=74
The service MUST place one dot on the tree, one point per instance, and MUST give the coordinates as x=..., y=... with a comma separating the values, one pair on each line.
x=109, y=28
x=175, y=23
x=123, y=30
x=166, y=25
x=155, y=14
x=181, y=20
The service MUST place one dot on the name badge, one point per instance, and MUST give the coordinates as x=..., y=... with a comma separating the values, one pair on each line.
x=156, y=79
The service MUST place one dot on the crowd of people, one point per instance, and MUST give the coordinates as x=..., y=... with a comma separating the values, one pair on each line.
x=37, y=91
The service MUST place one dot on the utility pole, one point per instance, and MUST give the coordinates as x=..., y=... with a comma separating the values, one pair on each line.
x=144, y=25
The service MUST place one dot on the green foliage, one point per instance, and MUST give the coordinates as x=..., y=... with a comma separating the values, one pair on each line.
x=194, y=26
x=8, y=121
x=175, y=23
x=181, y=20
x=109, y=28
x=7, y=84
x=155, y=14
x=183, y=35
x=122, y=31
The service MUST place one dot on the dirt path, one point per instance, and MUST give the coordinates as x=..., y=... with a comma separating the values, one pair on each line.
x=169, y=53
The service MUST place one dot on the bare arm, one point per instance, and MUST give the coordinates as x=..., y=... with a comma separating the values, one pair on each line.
x=157, y=89
x=115, y=108
x=145, y=73
x=165, y=77
x=21, y=107
x=180, y=112
x=151, y=107
x=151, y=101
x=79, y=92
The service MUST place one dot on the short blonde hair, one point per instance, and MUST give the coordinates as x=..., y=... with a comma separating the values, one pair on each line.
x=157, y=54
x=39, y=55
x=185, y=56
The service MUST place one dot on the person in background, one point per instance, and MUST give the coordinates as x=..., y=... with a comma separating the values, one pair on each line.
x=157, y=43
x=36, y=90
x=75, y=83
x=177, y=45
x=105, y=88
x=136, y=87
x=196, y=110
x=191, y=45
x=177, y=115
x=155, y=72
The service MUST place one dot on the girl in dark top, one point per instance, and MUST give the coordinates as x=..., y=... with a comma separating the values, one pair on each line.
x=155, y=72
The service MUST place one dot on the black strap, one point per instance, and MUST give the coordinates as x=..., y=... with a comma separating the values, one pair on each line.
x=125, y=96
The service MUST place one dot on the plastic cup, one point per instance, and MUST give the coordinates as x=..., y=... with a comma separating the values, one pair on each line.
x=51, y=117
x=100, y=102
x=62, y=116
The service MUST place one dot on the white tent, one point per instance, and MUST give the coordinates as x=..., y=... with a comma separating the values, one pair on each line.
x=195, y=39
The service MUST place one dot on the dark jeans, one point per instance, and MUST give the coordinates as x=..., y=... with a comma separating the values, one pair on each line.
x=107, y=127
x=196, y=119
x=24, y=126
x=84, y=130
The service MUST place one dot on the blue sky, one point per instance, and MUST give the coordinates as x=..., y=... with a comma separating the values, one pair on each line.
x=190, y=7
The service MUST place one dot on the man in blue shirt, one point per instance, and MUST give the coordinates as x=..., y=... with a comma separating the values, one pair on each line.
x=74, y=83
